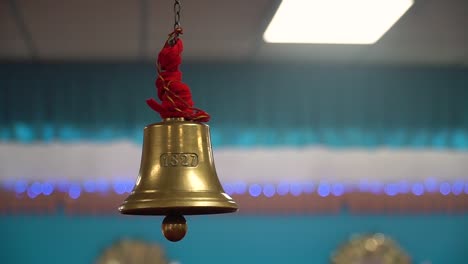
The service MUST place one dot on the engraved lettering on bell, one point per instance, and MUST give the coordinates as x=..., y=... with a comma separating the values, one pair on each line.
x=179, y=160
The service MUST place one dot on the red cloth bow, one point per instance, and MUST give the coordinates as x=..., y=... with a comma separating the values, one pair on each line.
x=175, y=96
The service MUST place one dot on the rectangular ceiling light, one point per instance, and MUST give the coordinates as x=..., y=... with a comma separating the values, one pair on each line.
x=334, y=21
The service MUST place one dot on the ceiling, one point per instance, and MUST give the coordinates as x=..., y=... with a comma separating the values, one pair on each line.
x=432, y=32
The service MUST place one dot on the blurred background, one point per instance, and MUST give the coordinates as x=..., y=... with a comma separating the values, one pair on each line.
x=332, y=151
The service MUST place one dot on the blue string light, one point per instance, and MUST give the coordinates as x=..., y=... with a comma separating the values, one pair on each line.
x=403, y=187
x=444, y=188
x=228, y=188
x=376, y=187
x=391, y=189
x=431, y=185
x=47, y=188
x=128, y=186
x=324, y=189
x=282, y=188
x=36, y=188
x=296, y=189
x=240, y=187
x=364, y=186
x=74, y=191
x=31, y=193
x=89, y=186
x=417, y=189
x=457, y=187
x=119, y=187
x=21, y=186
x=338, y=189
x=255, y=190
x=269, y=190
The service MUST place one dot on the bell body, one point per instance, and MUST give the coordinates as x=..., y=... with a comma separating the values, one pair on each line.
x=177, y=173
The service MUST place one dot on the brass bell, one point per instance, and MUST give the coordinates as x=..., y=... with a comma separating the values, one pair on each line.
x=177, y=176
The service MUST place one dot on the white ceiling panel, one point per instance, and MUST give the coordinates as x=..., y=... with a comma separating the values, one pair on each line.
x=431, y=32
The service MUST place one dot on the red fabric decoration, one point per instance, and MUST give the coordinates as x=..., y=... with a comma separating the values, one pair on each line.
x=175, y=96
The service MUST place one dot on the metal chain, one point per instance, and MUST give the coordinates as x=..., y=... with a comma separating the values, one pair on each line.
x=177, y=7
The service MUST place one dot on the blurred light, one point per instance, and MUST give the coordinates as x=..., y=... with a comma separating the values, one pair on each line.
x=23, y=132
x=129, y=186
x=36, y=188
x=282, y=188
x=89, y=186
x=246, y=138
x=296, y=189
x=119, y=187
x=240, y=187
x=439, y=140
x=403, y=187
x=376, y=187
x=74, y=191
x=431, y=185
x=417, y=189
x=269, y=190
x=294, y=138
x=228, y=188
x=323, y=189
x=334, y=21
x=460, y=139
x=444, y=188
x=31, y=193
x=68, y=133
x=457, y=187
x=47, y=188
x=391, y=189
x=21, y=186
x=338, y=189
x=255, y=190
x=47, y=132
x=398, y=137
x=466, y=188
x=308, y=187
x=363, y=186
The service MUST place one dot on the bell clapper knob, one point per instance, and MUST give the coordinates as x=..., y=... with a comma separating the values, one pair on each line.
x=174, y=227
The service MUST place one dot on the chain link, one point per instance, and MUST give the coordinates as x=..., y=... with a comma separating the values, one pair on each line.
x=177, y=7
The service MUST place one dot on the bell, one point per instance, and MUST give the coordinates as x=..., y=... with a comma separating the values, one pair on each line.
x=177, y=176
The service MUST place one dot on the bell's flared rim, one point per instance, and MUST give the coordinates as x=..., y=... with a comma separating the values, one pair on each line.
x=179, y=210
x=178, y=207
